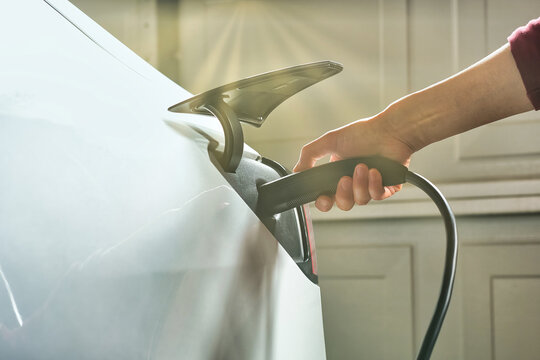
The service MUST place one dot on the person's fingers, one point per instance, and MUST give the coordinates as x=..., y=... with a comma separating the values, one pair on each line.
x=324, y=203
x=376, y=189
x=396, y=188
x=315, y=150
x=344, y=193
x=360, y=185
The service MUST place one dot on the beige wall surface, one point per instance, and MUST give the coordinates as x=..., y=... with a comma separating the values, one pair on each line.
x=134, y=22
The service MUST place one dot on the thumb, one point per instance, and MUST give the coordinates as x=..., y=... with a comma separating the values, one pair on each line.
x=315, y=150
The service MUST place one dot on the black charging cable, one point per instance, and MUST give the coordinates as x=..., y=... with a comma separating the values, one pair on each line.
x=450, y=262
x=301, y=188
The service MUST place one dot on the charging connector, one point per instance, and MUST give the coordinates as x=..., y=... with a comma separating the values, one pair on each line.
x=300, y=188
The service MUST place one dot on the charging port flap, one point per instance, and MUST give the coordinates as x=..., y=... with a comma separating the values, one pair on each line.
x=251, y=100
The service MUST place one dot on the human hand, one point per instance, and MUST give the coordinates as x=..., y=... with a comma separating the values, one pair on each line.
x=366, y=137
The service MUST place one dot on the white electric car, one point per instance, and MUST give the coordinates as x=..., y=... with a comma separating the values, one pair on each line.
x=122, y=233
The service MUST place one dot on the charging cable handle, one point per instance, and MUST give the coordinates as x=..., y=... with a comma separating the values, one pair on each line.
x=301, y=188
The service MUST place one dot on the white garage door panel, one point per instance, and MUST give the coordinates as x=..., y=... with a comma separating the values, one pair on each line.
x=367, y=298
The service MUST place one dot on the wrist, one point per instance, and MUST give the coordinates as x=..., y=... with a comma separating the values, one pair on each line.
x=405, y=120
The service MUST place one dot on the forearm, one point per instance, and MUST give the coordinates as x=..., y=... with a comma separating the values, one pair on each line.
x=487, y=91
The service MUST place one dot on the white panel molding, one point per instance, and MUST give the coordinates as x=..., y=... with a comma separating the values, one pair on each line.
x=514, y=137
x=476, y=198
x=483, y=265
x=356, y=279
x=515, y=311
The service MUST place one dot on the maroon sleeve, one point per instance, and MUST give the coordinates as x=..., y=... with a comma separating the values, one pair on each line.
x=525, y=47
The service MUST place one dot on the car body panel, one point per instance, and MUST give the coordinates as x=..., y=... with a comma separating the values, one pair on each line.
x=118, y=237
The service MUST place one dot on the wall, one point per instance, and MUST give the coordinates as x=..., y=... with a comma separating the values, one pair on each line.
x=148, y=27
x=134, y=22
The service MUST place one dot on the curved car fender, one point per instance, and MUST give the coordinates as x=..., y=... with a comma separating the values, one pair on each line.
x=118, y=237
